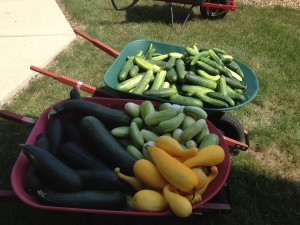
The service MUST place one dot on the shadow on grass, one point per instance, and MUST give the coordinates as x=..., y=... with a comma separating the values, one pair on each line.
x=159, y=13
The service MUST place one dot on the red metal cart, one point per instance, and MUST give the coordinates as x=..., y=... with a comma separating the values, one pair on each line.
x=209, y=9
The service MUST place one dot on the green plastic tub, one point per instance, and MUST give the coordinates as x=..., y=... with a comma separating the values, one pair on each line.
x=132, y=48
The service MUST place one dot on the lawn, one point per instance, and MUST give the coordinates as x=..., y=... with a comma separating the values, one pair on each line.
x=263, y=181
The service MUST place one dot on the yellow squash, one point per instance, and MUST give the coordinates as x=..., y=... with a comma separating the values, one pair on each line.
x=175, y=172
x=202, y=177
x=132, y=181
x=208, y=156
x=147, y=173
x=179, y=204
x=149, y=201
x=173, y=147
x=212, y=175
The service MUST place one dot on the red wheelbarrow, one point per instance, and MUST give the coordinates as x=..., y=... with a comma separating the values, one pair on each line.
x=209, y=9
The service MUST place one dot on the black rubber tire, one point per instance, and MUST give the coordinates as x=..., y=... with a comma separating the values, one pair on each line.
x=228, y=125
x=214, y=13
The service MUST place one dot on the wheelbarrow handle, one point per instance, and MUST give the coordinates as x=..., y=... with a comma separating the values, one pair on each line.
x=21, y=119
x=73, y=82
x=104, y=47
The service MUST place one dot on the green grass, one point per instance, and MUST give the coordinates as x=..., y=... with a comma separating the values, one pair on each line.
x=264, y=181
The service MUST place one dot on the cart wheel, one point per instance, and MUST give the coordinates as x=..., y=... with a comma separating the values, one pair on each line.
x=123, y=4
x=214, y=13
x=228, y=125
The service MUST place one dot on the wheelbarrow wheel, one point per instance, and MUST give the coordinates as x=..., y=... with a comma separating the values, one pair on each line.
x=214, y=13
x=123, y=4
x=228, y=125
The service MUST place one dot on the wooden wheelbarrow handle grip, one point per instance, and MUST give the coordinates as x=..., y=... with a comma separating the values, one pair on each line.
x=104, y=47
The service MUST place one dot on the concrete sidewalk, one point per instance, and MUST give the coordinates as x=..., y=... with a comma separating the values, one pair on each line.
x=32, y=32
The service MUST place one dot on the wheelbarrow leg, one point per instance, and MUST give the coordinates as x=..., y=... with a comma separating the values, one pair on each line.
x=171, y=13
x=188, y=15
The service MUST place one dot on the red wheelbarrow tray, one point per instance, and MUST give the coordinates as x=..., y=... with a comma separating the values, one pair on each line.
x=22, y=165
x=110, y=78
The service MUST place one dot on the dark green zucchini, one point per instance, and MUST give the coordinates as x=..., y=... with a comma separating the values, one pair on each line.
x=86, y=108
x=87, y=199
x=99, y=179
x=72, y=132
x=32, y=181
x=74, y=94
x=78, y=157
x=55, y=134
x=103, y=144
x=52, y=169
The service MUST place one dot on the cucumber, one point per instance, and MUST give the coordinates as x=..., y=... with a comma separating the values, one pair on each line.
x=159, y=79
x=170, y=63
x=80, y=158
x=204, y=74
x=199, y=137
x=172, y=75
x=180, y=70
x=195, y=88
x=159, y=63
x=52, y=169
x=191, y=51
x=207, y=68
x=161, y=93
x=158, y=116
x=222, y=88
x=188, y=121
x=169, y=125
x=210, y=139
x=132, y=109
x=236, y=96
x=134, y=71
x=186, y=100
x=146, y=65
x=104, y=179
x=211, y=101
x=222, y=97
x=129, y=84
x=226, y=59
x=176, y=55
x=201, y=81
x=195, y=112
x=149, y=135
x=236, y=68
x=149, y=52
x=107, y=115
x=160, y=57
x=105, y=146
x=212, y=63
x=121, y=132
x=136, y=137
x=235, y=84
x=191, y=131
x=139, y=122
x=198, y=56
x=146, y=108
x=55, y=133
x=226, y=72
x=215, y=56
x=141, y=86
x=87, y=199
x=125, y=69
x=135, y=152
x=165, y=105
x=166, y=84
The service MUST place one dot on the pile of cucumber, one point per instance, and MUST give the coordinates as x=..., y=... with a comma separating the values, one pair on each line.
x=203, y=77
x=186, y=124
x=73, y=160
